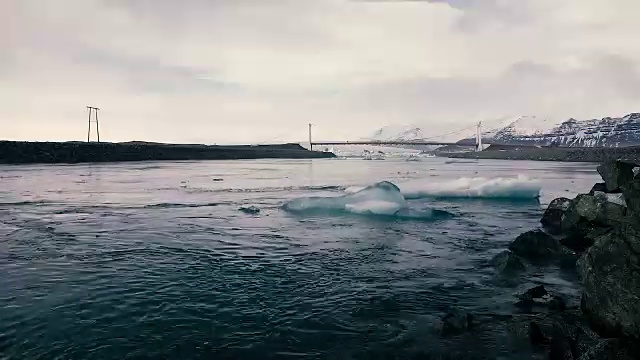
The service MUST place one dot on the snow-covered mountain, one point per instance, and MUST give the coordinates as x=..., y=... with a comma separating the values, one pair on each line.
x=526, y=126
x=413, y=132
x=530, y=130
x=606, y=132
x=399, y=133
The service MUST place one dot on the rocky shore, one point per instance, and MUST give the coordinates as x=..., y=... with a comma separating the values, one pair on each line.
x=12, y=152
x=596, y=235
x=573, y=154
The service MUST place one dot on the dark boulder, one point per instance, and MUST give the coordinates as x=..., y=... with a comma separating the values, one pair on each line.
x=564, y=335
x=557, y=303
x=561, y=347
x=560, y=216
x=527, y=300
x=631, y=192
x=598, y=187
x=582, y=239
x=616, y=174
x=591, y=216
x=536, y=335
x=533, y=293
x=507, y=263
x=579, y=219
x=539, y=297
x=610, y=272
x=454, y=322
x=536, y=244
x=601, y=209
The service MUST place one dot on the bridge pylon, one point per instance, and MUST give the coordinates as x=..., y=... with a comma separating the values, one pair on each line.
x=479, y=137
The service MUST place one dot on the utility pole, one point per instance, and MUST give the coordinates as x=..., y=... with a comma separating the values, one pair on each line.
x=91, y=109
x=310, y=139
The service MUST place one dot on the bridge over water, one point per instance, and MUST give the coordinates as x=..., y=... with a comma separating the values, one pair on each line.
x=383, y=142
x=428, y=141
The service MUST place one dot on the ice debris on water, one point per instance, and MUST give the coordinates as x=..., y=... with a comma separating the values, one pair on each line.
x=383, y=198
x=249, y=209
x=517, y=188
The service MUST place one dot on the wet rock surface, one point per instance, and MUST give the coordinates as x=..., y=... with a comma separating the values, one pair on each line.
x=610, y=272
x=536, y=245
x=454, y=322
x=538, y=298
x=631, y=192
x=560, y=216
x=598, y=187
x=534, y=293
x=598, y=210
x=616, y=174
x=604, y=227
x=507, y=263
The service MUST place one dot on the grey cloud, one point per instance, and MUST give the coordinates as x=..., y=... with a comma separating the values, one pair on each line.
x=151, y=76
x=248, y=70
x=609, y=85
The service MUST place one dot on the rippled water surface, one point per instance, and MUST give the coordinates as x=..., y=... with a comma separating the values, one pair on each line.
x=155, y=260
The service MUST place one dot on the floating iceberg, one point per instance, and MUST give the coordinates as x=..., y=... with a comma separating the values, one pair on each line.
x=382, y=199
x=518, y=188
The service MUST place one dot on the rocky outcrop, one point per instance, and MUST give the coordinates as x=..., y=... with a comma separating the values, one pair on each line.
x=603, y=226
x=631, y=192
x=560, y=216
x=598, y=187
x=454, y=322
x=562, y=335
x=600, y=209
x=536, y=245
x=579, y=221
x=616, y=174
x=610, y=268
x=582, y=214
x=507, y=263
x=538, y=297
x=580, y=240
x=533, y=293
x=610, y=272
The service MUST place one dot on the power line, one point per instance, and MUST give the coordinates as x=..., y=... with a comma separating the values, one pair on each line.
x=92, y=109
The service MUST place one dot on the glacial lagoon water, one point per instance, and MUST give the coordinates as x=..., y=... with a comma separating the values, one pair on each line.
x=157, y=261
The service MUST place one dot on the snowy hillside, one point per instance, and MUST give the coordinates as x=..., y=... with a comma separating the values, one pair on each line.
x=526, y=126
x=607, y=132
x=399, y=133
x=530, y=130
x=412, y=132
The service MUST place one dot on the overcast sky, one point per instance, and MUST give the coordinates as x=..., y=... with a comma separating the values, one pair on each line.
x=219, y=71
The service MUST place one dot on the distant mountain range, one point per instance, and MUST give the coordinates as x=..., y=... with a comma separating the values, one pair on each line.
x=534, y=131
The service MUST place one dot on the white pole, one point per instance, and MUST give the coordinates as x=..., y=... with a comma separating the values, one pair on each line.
x=310, y=142
x=479, y=137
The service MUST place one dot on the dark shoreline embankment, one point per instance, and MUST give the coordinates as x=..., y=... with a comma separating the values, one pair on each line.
x=14, y=152
x=595, y=238
x=573, y=154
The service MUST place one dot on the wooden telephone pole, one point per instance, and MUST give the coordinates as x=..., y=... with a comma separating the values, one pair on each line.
x=92, y=108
